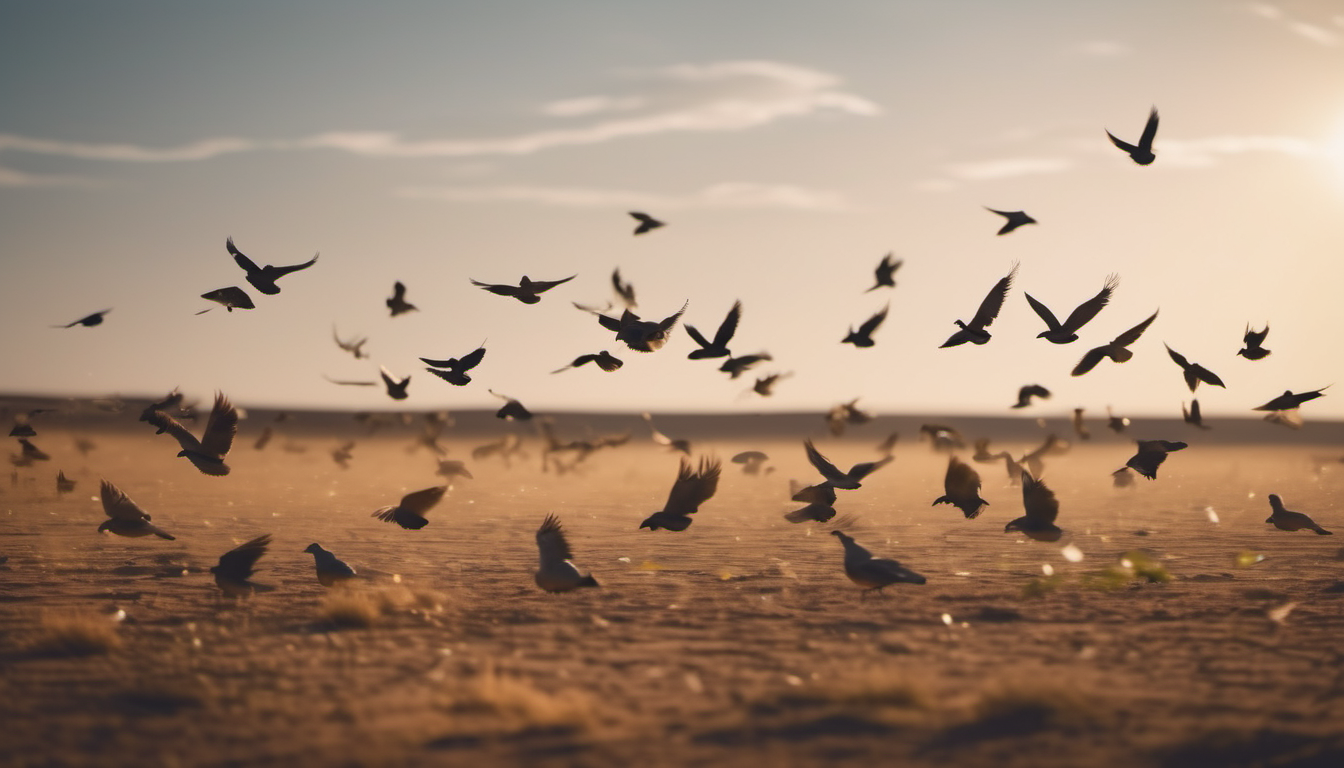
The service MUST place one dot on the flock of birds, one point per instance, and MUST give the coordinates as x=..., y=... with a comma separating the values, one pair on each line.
x=696, y=482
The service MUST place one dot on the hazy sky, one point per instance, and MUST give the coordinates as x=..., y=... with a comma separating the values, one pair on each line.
x=789, y=146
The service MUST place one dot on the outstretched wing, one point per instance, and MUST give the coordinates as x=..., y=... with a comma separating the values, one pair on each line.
x=1089, y=309
x=729, y=325
x=545, y=285
x=501, y=290
x=470, y=360
x=238, y=563
x=551, y=543
x=1044, y=312
x=276, y=272
x=244, y=262
x=1040, y=502
x=1090, y=360
x=873, y=322
x=165, y=423
x=822, y=464
x=420, y=502
x=221, y=428
x=119, y=506
x=961, y=480
x=989, y=308
x=666, y=324
x=398, y=291
x=1149, y=130
x=1133, y=334
x=693, y=488
x=1178, y=358
x=1255, y=338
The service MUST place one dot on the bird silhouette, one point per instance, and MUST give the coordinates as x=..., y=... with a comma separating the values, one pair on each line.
x=639, y=334
x=342, y=454
x=624, y=290
x=125, y=517
x=230, y=298
x=1015, y=219
x=691, y=489
x=88, y=321
x=842, y=415
x=263, y=278
x=397, y=302
x=454, y=370
x=63, y=483
x=396, y=388
x=751, y=461
x=331, y=570
x=1117, y=424
x=1142, y=153
x=527, y=291
x=1150, y=456
x=1288, y=520
x=207, y=453
x=1288, y=400
x=885, y=270
x=1192, y=415
x=815, y=511
x=234, y=572
x=31, y=452
x=765, y=385
x=1253, y=340
x=832, y=474
x=646, y=222
x=354, y=346
x=604, y=360
x=1194, y=373
x=452, y=468
x=1042, y=508
x=1079, y=427
x=974, y=331
x=410, y=512
x=1029, y=391
x=961, y=488
x=719, y=346
x=873, y=573
x=512, y=410
x=943, y=437
x=864, y=336
x=736, y=366
x=264, y=439
x=1063, y=333
x=1123, y=478
x=658, y=437
x=555, y=571
x=1116, y=349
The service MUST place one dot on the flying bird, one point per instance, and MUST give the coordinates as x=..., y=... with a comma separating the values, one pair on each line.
x=719, y=346
x=691, y=489
x=396, y=388
x=451, y=468
x=1079, y=427
x=1253, y=341
x=556, y=572
x=1288, y=401
x=884, y=272
x=263, y=278
x=623, y=289
x=234, y=572
x=943, y=437
x=1194, y=372
x=1042, y=508
x=63, y=483
x=646, y=222
x=832, y=474
x=604, y=360
x=31, y=452
x=638, y=334
x=864, y=336
x=1150, y=456
x=88, y=321
x=1063, y=333
x=1116, y=424
x=1143, y=152
x=961, y=488
x=207, y=453
x=842, y=415
x=231, y=298
x=1288, y=520
x=342, y=454
x=410, y=513
x=735, y=366
x=125, y=517
x=1192, y=415
x=751, y=461
x=765, y=385
x=658, y=437
x=349, y=383
x=331, y=570
x=454, y=370
x=1029, y=391
x=527, y=291
x=1117, y=349
x=873, y=573
x=354, y=346
x=1015, y=219
x=397, y=302
x=974, y=331
x=512, y=409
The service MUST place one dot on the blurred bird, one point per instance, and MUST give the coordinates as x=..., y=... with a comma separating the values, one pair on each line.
x=845, y=414
x=396, y=388
x=410, y=513
x=961, y=488
x=719, y=346
x=1192, y=415
x=450, y=469
x=823, y=492
x=815, y=511
x=1123, y=478
x=1042, y=508
x=125, y=517
x=691, y=489
x=63, y=483
x=331, y=570
x=604, y=360
x=884, y=272
x=32, y=452
x=263, y=278
x=1116, y=349
x=832, y=474
x=263, y=439
x=1063, y=333
x=207, y=453
x=944, y=438
x=527, y=291
x=646, y=222
x=88, y=321
x=1150, y=456
x=556, y=572
x=751, y=461
x=658, y=437
x=231, y=298
x=397, y=302
x=342, y=454
x=735, y=366
x=512, y=410
x=1194, y=372
x=974, y=331
x=1287, y=520
x=1288, y=400
x=1079, y=427
x=624, y=290
x=1143, y=152
x=873, y=573
x=354, y=346
x=864, y=336
x=1116, y=424
x=1051, y=446
x=888, y=444
x=1253, y=341
x=454, y=370
x=638, y=334
x=1029, y=391
x=234, y=572
x=1015, y=219
x=765, y=385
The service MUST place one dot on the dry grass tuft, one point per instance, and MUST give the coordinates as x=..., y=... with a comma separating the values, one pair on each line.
x=74, y=634
x=525, y=705
x=348, y=609
x=1021, y=707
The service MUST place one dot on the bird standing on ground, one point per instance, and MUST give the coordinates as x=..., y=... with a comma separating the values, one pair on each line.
x=331, y=570
x=410, y=512
x=88, y=321
x=397, y=302
x=125, y=517
x=1194, y=372
x=884, y=272
x=961, y=488
x=527, y=291
x=719, y=346
x=1151, y=454
x=1253, y=340
x=646, y=222
x=974, y=331
x=1287, y=520
x=454, y=370
x=1063, y=333
x=691, y=489
x=864, y=336
x=873, y=573
x=1117, y=349
x=1042, y=508
x=207, y=453
x=1142, y=153
x=263, y=278
x=234, y=572
x=1015, y=219
x=556, y=572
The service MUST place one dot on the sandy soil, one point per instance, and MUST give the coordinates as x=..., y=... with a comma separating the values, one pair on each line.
x=736, y=642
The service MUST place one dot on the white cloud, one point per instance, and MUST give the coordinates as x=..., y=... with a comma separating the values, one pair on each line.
x=722, y=195
x=1101, y=49
x=1313, y=32
x=1009, y=168
x=1207, y=151
x=12, y=178
x=590, y=105
x=198, y=150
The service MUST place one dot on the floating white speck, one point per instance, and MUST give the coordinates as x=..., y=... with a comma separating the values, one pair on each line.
x=962, y=573
x=1213, y=516
x=623, y=560
x=1071, y=553
x=793, y=680
x=1279, y=613
x=947, y=619
x=396, y=578
x=119, y=615
x=1047, y=569
x=1250, y=495
x=1125, y=563
x=694, y=683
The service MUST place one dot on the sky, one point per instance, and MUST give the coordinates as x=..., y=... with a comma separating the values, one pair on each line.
x=788, y=146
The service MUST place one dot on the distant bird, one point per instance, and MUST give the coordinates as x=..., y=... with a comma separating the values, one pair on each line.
x=873, y=573
x=864, y=336
x=623, y=289
x=556, y=572
x=821, y=493
x=63, y=483
x=658, y=437
x=1253, y=341
x=751, y=461
x=1287, y=520
x=234, y=572
x=331, y=570
x=943, y=437
x=815, y=511
x=1029, y=391
x=691, y=489
x=1116, y=424
x=1063, y=333
x=1192, y=415
x=396, y=388
x=1052, y=446
x=450, y=469
x=1116, y=349
x=736, y=366
x=1042, y=508
x=832, y=474
x=207, y=453
x=88, y=321
x=1150, y=456
x=646, y=222
x=231, y=298
x=454, y=370
x=263, y=278
x=842, y=415
x=765, y=385
x=397, y=302
x=342, y=454
x=32, y=452
x=1123, y=477
x=974, y=331
x=1194, y=372
x=961, y=488
x=170, y=402
x=264, y=439
x=604, y=360
x=125, y=517
x=884, y=272
x=638, y=334
x=1015, y=219
x=354, y=346
x=1288, y=400
x=1143, y=152
x=512, y=409
x=410, y=513
x=719, y=346
x=527, y=291
x=1080, y=428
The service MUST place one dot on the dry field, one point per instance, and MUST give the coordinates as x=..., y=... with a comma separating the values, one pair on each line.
x=1175, y=641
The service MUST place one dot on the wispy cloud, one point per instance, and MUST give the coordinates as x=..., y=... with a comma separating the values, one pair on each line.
x=10, y=177
x=723, y=195
x=197, y=150
x=1313, y=32
x=1007, y=168
x=1208, y=150
x=1101, y=49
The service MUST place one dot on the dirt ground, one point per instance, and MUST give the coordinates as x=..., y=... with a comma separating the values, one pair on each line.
x=1189, y=634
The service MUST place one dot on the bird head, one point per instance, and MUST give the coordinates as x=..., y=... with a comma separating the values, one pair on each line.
x=313, y=548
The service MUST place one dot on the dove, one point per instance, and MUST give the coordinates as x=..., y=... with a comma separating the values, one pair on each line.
x=1253, y=341
x=1151, y=454
x=234, y=572
x=883, y=274
x=1042, y=508
x=125, y=517
x=638, y=334
x=354, y=346
x=263, y=278
x=396, y=388
x=1142, y=153
x=719, y=346
x=1193, y=416
x=397, y=302
x=604, y=360
x=624, y=290
x=512, y=409
x=1194, y=373
x=454, y=370
x=410, y=512
x=691, y=489
x=1287, y=520
x=873, y=573
x=1014, y=219
x=1029, y=391
x=1066, y=332
x=88, y=321
x=765, y=385
x=646, y=222
x=527, y=291
x=961, y=488
x=231, y=298
x=974, y=331
x=331, y=570
x=1116, y=349
x=735, y=366
x=1288, y=400
x=863, y=337
x=842, y=415
x=555, y=571
x=832, y=474
x=207, y=453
